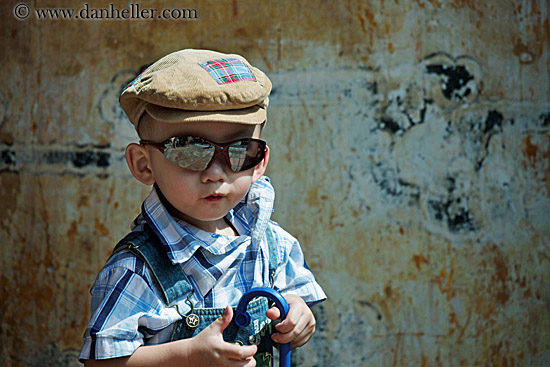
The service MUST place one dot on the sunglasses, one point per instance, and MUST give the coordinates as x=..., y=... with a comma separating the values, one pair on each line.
x=195, y=153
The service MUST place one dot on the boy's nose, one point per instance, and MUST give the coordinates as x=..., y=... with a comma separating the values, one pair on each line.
x=216, y=170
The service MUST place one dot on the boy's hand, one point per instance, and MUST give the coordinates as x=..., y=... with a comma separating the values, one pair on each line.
x=298, y=326
x=209, y=348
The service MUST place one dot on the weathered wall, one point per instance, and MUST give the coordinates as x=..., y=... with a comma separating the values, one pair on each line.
x=410, y=153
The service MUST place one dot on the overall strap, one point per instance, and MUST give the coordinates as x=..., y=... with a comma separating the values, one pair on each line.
x=273, y=258
x=170, y=277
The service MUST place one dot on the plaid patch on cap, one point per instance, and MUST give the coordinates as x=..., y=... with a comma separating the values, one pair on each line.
x=226, y=71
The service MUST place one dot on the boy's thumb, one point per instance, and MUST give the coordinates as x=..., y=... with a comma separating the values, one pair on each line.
x=223, y=321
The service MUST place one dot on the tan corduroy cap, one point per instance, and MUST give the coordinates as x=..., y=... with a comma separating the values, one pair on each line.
x=199, y=85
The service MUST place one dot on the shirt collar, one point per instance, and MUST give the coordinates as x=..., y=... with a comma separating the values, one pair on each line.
x=181, y=240
x=256, y=207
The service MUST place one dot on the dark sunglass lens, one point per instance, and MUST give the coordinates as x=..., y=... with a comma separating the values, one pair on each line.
x=190, y=153
x=237, y=154
x=246, y=154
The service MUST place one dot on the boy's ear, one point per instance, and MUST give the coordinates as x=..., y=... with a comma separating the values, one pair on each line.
x=137, y=158
x=260, y=168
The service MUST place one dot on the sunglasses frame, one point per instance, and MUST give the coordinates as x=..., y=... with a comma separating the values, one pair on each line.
x=219, y=148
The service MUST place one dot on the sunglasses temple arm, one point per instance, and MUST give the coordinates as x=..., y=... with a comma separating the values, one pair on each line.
x=159, y=146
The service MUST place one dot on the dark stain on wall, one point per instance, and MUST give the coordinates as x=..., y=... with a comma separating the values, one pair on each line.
x=7, y=157
x=452, y=210
x=458, y=220
x=4, y=107
x=389, y=125
x=545, y=118
x=494, y=120
x=72, y=161
x=386, y=179
x=486, y=130
x=78, y=159
x=456, y=79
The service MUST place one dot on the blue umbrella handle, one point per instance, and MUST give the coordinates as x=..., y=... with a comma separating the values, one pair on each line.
x=242, y=317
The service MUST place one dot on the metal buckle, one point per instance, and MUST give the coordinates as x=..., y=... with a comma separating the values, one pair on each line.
x=192, y=321
x=132, y=246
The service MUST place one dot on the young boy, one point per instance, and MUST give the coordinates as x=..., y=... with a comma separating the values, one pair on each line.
x=204, y=236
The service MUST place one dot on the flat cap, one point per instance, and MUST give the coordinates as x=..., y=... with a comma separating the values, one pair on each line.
x=199, y=85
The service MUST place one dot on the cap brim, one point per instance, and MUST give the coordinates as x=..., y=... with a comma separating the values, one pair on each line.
x=254, y=115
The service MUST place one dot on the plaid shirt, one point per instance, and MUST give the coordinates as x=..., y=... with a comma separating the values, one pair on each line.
x=128, y=310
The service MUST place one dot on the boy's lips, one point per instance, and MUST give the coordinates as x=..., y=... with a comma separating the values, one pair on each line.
x=214, y=197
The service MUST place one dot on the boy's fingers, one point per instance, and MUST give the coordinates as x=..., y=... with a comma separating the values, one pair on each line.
x=288, y=325
x=295, y=332
x=221, y=323
x=240, y=355
x=241, y=352
x=250, y=362
x=295, y=340
x=273, y=313
x=293, y=321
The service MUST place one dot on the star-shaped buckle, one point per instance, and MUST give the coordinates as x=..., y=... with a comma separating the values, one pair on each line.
x=192, y=321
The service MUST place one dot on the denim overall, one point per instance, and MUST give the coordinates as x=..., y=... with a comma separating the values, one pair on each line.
x=175, y=285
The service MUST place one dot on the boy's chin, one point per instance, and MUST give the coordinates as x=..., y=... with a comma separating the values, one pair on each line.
x=200, y=221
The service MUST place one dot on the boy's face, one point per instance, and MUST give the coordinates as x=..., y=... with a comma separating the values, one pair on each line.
x=201, y=198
